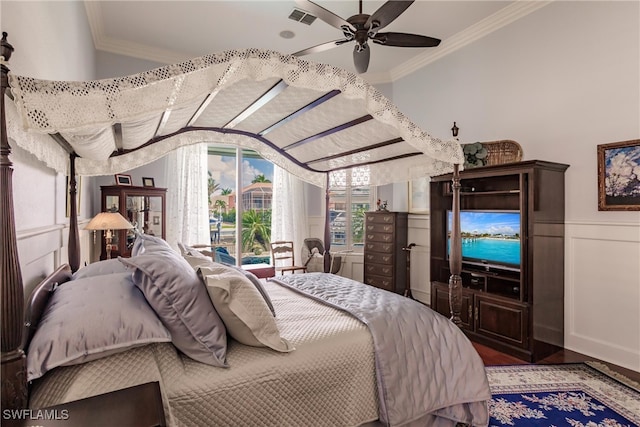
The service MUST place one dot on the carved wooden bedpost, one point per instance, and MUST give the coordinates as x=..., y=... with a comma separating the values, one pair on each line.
x=327, y=231
x=14, y=381
x=74, y=240
x=455, y=260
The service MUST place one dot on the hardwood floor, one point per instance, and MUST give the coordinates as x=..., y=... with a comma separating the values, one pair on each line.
x=494, y=357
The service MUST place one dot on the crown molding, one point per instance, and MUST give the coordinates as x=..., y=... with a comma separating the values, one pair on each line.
x=501, y=18
x=124, y=47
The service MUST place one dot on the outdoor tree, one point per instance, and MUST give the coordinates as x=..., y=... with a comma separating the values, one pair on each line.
x=256, y=230
x=220, y=205
x=260, y=178
x=212, y=186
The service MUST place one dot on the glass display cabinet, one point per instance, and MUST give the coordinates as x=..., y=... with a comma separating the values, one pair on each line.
x=144, y=207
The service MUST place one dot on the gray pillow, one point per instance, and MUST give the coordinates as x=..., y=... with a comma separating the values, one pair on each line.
x=242, y=308
x=181, y=301
x=146, y=242
x=197, y=261
x=91, y=318
x=108, y=266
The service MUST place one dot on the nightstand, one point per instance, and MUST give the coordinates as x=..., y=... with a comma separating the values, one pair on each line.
x=138, y=406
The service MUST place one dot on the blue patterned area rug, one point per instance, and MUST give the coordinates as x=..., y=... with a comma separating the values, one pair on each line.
x=576, y=395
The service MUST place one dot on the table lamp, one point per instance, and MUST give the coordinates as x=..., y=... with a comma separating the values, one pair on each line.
x=108, y=221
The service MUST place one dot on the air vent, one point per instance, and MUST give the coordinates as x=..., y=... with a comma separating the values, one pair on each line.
x=302, y=16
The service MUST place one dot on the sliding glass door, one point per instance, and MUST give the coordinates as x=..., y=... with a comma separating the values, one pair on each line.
x=240, y=196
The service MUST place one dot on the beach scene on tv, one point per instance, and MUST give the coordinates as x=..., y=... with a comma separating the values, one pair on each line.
x=491, y=237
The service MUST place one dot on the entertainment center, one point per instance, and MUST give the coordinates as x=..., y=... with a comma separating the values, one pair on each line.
x=512, y=226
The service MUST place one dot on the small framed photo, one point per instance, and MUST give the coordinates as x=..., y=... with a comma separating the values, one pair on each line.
x=123, y=179
x=156, y=220
x=148, y=182
x=619, y=176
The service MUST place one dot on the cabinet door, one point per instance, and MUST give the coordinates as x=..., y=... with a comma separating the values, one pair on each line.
x=145, y=213
x=440, y=303
x=502, y=320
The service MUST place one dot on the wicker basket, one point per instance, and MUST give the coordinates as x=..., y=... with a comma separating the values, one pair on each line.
x=498, y=152
x=505, y=151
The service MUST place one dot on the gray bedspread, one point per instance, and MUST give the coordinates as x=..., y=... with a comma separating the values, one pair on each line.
x=426, y=367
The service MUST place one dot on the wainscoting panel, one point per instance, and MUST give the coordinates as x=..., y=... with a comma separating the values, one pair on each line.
x=602, y=291
x=42, y=250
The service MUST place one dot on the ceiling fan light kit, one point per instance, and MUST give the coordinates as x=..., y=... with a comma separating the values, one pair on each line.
x=362, y=27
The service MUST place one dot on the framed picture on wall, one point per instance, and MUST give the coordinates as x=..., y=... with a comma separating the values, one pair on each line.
x=123, y=179
x=419, y=195
x=619, y=176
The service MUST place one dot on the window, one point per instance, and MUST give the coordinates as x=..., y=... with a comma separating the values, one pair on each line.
x=347, y=207
x=255, y=197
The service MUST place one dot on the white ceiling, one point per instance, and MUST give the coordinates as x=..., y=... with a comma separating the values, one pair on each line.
x=172, y=31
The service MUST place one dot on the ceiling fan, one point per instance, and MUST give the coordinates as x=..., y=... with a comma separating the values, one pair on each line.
x=362, y=27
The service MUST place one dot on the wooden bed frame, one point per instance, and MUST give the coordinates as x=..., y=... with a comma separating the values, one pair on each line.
x=14, y=327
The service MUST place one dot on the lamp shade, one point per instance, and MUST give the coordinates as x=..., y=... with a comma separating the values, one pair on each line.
x=108, y=221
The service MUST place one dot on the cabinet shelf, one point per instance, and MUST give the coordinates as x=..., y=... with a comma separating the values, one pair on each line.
x=487, y=193
x=518, y=312
x=143, y=207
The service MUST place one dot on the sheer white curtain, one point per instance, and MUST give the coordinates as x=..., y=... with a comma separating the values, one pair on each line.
x=289, y=210
x=187, y=198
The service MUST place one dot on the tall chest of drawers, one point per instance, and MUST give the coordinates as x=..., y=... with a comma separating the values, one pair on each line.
x=385, y=261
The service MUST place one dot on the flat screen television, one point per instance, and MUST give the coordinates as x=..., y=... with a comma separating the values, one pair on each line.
x=489, y=238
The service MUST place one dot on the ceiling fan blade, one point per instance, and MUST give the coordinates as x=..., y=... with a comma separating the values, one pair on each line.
x=361, y=58
x=321, y=47
x=386, y=14
x=405, y=40
x=325, y=15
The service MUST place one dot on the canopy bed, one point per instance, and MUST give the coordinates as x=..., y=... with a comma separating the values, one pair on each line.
x=313, y=120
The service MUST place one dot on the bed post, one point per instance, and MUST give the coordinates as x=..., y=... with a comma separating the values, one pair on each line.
x=455, y=260
x=327, y=230
x=14, y=381
x=74, y=240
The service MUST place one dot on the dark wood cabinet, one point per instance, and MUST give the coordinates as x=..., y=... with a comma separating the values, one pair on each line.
x=517, y=309
x=144, y=207
x=385, y=261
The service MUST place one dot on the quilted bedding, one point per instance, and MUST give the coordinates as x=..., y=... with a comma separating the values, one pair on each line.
x=425, y=372
x=426, y=367
x=328, y=380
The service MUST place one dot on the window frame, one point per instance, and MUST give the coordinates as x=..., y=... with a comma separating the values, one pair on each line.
x=348, y=203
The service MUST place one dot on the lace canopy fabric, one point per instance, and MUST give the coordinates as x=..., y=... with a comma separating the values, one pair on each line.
x=305, y=117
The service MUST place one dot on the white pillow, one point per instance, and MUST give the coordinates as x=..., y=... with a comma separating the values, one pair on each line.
x=243, y=310
x=197, y=261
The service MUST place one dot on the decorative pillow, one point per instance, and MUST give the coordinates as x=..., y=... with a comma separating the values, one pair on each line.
x=189, y=251
x=204, y=261
x=146, y=242
x=108, y=266
x=242, y=309
x=179, y=298
x=96, y=317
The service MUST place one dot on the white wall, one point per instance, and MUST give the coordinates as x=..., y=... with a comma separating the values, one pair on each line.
x=559, y=81
x=42, y=50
